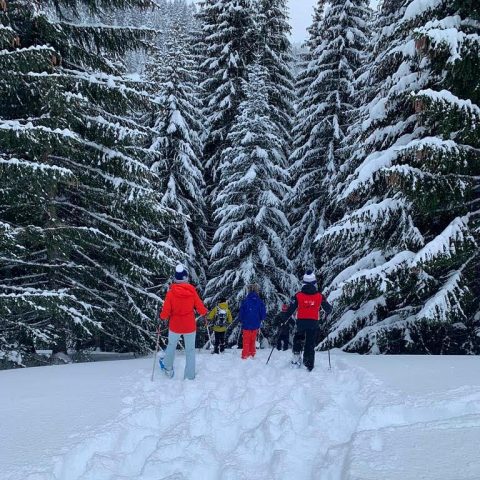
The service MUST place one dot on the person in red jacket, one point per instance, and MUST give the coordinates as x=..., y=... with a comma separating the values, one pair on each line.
x=307, y=303
x=179, y=308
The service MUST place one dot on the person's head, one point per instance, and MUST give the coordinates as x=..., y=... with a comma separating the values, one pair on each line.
x=254, y=288
x=309, y=278
x=222, y=300
x=284, y=307
x=181, y=274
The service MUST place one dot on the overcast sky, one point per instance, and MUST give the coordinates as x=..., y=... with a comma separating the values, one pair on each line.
x=301, y=12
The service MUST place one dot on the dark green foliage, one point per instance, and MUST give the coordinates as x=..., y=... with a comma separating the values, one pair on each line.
x=229, y=46
x=79, y=203
x=177, y=148
x=326, y=109
x=275, y=54
x=248, y=243
x=403, y=260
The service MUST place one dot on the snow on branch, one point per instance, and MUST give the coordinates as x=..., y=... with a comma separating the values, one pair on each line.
x=364, y=219
x=449, y=101
x=364, y=174
x=446, y=302
x=446, y=35
x=454, y=238
x=35, y=167
x=417, y=8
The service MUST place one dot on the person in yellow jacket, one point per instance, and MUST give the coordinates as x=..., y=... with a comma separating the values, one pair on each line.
x=221, y=317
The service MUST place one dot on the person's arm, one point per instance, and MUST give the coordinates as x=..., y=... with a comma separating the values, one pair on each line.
x=326, y=307
x=241, y=312
x=167, y=308
x=229, y=315
x=291, y=309
x=199, y=306
x=212, y=314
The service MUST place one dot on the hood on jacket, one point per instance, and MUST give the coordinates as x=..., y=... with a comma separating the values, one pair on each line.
x=223, y=305
x=253, y=296
x=185, y=290
x=310, y=288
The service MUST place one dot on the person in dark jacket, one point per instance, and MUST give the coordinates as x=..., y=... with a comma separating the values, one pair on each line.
x=283, y=338
x=252, y=314
x=307, y=303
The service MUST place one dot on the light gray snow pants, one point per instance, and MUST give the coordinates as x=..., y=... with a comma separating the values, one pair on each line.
x=189, y=339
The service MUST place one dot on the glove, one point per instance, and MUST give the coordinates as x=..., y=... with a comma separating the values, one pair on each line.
x=162, y=324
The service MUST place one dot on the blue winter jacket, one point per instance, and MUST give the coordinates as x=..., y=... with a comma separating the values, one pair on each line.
x=252, y=312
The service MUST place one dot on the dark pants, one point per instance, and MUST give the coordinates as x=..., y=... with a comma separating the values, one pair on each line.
x=283, y=341
x=305, y=340
x=219, y=342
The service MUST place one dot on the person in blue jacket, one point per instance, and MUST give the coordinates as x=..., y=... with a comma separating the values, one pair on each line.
x=252, y=314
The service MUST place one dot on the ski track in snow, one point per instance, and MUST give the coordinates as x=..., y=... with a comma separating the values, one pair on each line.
x=244, y=420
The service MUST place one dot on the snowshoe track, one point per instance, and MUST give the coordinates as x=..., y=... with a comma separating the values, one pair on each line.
x=238, y=420
x=242, y=420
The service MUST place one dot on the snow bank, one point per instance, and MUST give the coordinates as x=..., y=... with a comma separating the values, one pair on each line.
x=369, y=418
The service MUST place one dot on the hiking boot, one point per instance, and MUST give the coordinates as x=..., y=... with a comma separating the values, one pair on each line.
x=168, y=372
x=296, y=360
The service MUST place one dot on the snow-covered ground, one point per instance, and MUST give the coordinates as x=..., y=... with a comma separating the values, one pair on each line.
x=369, y=418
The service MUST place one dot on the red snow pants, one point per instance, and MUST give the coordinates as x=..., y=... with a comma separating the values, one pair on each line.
x=249, y=347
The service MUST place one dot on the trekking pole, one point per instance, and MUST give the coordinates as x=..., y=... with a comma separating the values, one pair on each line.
x=156, y=351
x=329, y=361
x=209, y=343
x=276, y=339
x=328, y=343
x=271, y=353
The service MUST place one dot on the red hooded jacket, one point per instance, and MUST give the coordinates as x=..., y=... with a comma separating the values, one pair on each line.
x=179, y=305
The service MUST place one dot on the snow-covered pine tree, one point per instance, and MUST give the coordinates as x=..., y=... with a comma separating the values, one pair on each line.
x=326, y=88
x=206, y=24
x=165, y=19
x=178, y=148
x=275, y=54
x=78, y=202
x=229, y=44
x=248, y=244
x=299, y=253
x=403, y=262
x=169, y=17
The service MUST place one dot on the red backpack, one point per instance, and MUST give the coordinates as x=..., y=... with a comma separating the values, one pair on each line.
x=309, y=306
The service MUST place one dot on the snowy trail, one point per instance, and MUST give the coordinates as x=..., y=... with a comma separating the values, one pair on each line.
x=245, y=420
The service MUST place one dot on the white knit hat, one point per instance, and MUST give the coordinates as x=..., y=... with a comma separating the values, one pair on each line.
x=181, y=273
x=309, y=277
